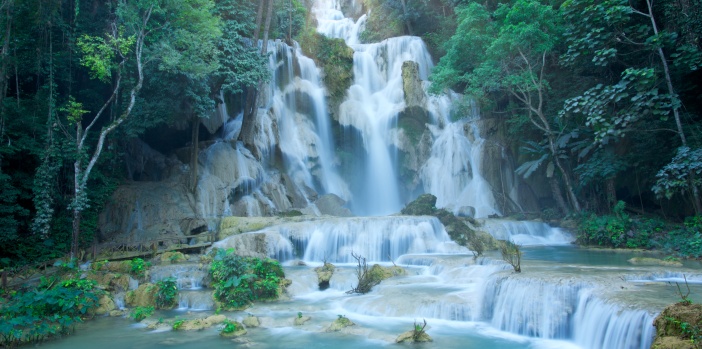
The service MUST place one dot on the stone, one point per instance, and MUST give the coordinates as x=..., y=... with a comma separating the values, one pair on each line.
x=117, y=313
x=143, y=296
x=105, y=305
x=424, y=205
x=339, y=324
x=172, y=257
x=251, y=321
x=332, y=205
x=324, y=274
x=412, y=85
x=668, y=322
x=408, y=337
x=654, y=261
x=199, y=324
x=466, y=211
x=300, y=320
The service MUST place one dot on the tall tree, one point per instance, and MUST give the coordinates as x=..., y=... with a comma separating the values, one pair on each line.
x=179, y=37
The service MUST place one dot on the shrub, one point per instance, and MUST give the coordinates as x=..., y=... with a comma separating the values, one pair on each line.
x=178, y=324
x=44, y=312
x=512, y=254
x=229, y=326
x=239, y=281
x=138, y=267
x=141, y=313
x=167, y=295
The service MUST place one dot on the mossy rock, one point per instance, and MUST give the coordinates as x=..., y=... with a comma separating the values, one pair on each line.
x=379, y=273
x=339, y=324
x=670, y=342
x=251, y=321
x=105, y=305
x=238, y=332
x=300, y=320
x=172, y=257
x=199, y=324
x=324, y=275
x=424, y=205
x=237, y=225
x=409, y=337
x=654, y=261
x=143, y=296
x=674, y=320
x=123, y=267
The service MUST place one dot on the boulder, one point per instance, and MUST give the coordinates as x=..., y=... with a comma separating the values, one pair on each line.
x=332, y=205
x=466, y=211
x=251, y=321
x=105, y=305
x=324, y=274
x=339, y=324
x=300, y=320
x=424, y=205
x=172, y=257
x=143, y=296
x=409, y=337
x=199, y=324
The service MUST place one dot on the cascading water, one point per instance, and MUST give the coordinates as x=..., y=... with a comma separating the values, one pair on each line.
x=373, y=103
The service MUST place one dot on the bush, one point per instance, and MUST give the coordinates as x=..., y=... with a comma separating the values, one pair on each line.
x=42, y=313
x=512, y=254
x=239, y=281
x=141, y=313
x=685, y=240
x=138, y=267
x=167, y=295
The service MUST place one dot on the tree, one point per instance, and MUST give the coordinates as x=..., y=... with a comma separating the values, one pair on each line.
x=515, y=45
x=609, y=33
x=179, y=37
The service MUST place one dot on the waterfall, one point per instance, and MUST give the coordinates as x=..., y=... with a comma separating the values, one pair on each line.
x=371, y=108
x=527, y=233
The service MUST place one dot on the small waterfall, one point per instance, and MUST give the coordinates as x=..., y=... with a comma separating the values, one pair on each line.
x=527, y=233
x=377, y=239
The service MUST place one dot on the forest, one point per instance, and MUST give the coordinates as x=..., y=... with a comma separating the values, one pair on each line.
x=599, y=100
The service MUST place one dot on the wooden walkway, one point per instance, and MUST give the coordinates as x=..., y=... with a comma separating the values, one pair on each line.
x=113, y=251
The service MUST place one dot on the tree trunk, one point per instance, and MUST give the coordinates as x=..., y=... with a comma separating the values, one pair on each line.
x=248, y=123
x=611, y=192
x=697, y=202
x=407, y=22
x=194, y=153
x=4, y=55
x=557, y=195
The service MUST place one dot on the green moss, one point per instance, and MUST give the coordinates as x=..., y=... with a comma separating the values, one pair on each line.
x=334, y=57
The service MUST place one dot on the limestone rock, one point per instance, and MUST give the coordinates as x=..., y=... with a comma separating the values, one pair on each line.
x=110, y=281
x=143, y=296
x=654, y=261
x=466, y=211
x=324, y=274
x=669, y=342
x=193, y=226
x=239, y=330
x=332, y=205
x=117, y=313
x=339, y=324
x=251, y=321
x=668, y=322
x=408, y=337
x=199, y=324
x=412, y=85
x=172, y=257
x=105, y=305
x=299, y=321
x=424, y=205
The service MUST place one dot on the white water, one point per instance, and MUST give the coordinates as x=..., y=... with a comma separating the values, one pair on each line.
x=373, y=103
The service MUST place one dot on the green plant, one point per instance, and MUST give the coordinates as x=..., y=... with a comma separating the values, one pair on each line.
x=177, y=324
x=512, y=254
x=167, y=294
x=299, y=315
x=141, y=313
x=239, y=281
x=41, y=313
x=100, y=265
x=418, y=331
x=229, y=326
x=138, y=267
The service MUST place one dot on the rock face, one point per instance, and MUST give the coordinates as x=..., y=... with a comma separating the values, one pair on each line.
x=332, y=205
x=412, y=85
x=143, y=296
x=670, y=331
x=105, y=305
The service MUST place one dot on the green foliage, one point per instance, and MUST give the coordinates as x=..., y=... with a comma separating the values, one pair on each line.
x=334, y=57
x=98, y=53
x=675, y=177
x=167, y=294
x=177, y=324
x=685, y=240
x=229, y=326
x=141, y=313
x=41, y=313
x=619, y=230
x=512, y=254
x=239, y=281
x=138, y=267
